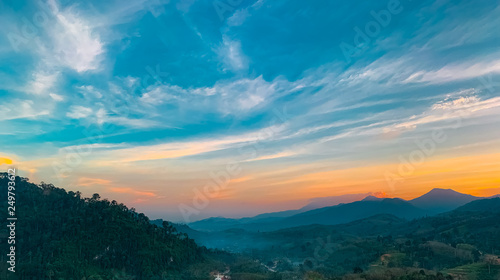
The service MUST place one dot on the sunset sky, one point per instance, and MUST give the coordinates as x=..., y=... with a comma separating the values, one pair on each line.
x=155, y=103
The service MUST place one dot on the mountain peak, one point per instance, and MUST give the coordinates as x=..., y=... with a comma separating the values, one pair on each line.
x=440, y=190
x=445, y=194
x=441, y=200
x=372, y=198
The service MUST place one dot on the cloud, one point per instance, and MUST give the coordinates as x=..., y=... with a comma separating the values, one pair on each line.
x=74, y=42
x=238, y=18
x=132, y=191
x=85, y=182
x=231, y=55
x=449, y=109
x=273, y=156
x=79, y=112
x=42, y=83
x=229, y=97
x=160, y=95
x=454, y=72
x=186, y=148
x=246, y=94
x=90, y=92
x=20, y=109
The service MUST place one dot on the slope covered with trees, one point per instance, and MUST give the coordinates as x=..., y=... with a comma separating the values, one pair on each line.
x=61, y=235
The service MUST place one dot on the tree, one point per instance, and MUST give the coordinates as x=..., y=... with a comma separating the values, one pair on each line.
x=490, y=260
x=357, y=270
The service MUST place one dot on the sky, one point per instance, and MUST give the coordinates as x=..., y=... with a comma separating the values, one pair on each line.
x=190, y=109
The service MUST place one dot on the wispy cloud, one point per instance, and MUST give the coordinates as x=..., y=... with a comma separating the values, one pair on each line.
x=42, y=83
x=231, y=55
x=132, y=191
x=20, y=109
x=449, y=109
x=187, y=148
x=462, y=71
x=85, y=182
x=74, y=42
x=79, y=112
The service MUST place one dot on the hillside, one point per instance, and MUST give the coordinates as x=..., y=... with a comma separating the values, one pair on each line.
x=64, y=236
x=484, y=205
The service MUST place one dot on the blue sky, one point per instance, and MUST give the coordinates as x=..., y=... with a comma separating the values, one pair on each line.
x=141, y=101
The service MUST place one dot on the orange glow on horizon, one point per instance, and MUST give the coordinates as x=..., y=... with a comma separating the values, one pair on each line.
x=476, y=175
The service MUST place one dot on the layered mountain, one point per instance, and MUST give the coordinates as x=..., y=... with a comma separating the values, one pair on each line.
x=332, y=215
x=442, y=200
x=343, y=210
x=345, y=213
x=491, y=205
x=221, y=223
x=477, y=218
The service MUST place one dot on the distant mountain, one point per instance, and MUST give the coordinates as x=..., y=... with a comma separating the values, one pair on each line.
x=220, y=223
x=442, y=200
x=314, y=203
x=215, y=224
x=341, y=209
x=349, y=212
x=482, y=205
x=280, y=214
x=333, y=215
x=372, y=198
x=321, y=202
x=476, y=216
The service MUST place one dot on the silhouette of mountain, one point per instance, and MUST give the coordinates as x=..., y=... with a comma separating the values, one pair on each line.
x=442, y=200
x=221, y=223
x=321, y=202
x=432, y=203
x=345, y=213
x=481, y=205
x=372, y=198
x=332, y=215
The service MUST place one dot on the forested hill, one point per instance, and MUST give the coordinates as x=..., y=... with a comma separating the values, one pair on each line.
x=61, y=235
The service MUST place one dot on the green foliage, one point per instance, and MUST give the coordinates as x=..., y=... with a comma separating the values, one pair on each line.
x=61, y=235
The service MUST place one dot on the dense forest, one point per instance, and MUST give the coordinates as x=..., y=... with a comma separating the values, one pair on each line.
x=61, y=235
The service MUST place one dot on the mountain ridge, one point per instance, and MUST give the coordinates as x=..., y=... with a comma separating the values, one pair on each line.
x=435, y=201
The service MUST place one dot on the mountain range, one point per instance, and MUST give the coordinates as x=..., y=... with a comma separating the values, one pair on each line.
x=343, y=209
